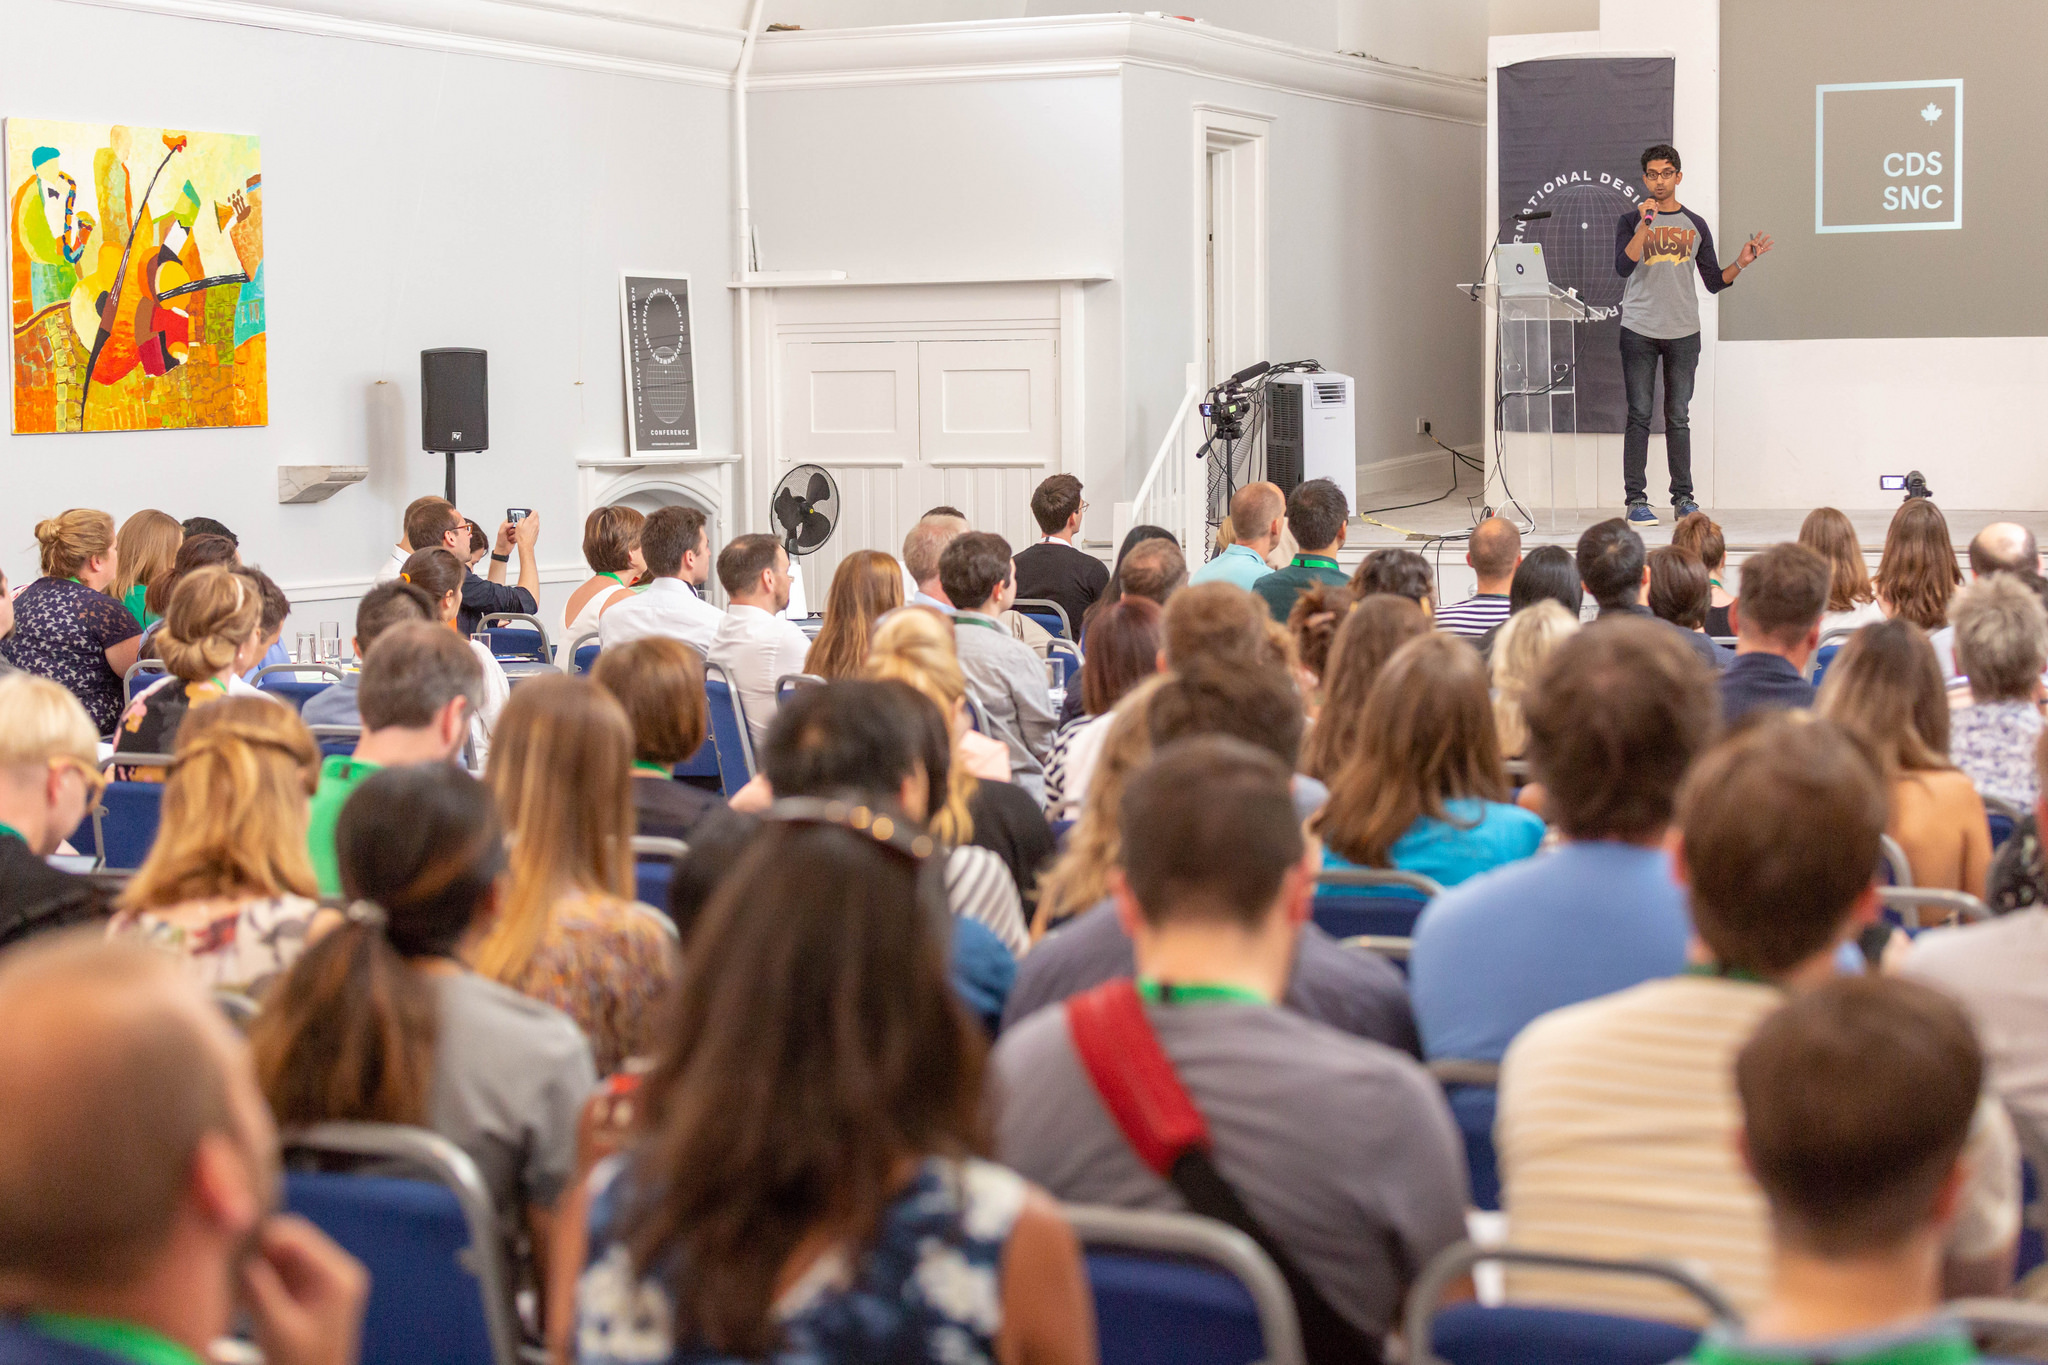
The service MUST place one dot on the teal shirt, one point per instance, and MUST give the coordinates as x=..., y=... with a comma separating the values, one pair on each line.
x=340, y=775
x=133, y=599
x=1280, y=587
x=1479, y=836
x=1236, y=566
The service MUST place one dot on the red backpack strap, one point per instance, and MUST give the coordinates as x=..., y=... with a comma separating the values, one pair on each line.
x=1133, y=1075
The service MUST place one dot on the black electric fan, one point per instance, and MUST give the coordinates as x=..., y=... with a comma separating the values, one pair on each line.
x=804, y=509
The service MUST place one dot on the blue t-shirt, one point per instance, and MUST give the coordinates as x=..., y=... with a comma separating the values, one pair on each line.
x=983, y=971
x=1585, y=920
x=1237, y=566
x=1479, y=836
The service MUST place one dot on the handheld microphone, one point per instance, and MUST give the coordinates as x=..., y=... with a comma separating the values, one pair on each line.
x=1531, y=215
x=1251, y=372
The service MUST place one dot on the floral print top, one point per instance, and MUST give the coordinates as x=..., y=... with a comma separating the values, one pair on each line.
x=63, y=630
x=929, y=1290
x=606, y=963
x=1993, y=743
x=227, y=945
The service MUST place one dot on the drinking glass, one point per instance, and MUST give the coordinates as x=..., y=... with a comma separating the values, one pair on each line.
x=302, y=652
x=330, y=642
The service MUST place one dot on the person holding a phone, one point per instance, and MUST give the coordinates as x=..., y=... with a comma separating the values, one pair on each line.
x=481, y=596
x=1656, y=249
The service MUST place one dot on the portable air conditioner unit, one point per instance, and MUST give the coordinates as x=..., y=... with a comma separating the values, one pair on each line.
x=1312, y=431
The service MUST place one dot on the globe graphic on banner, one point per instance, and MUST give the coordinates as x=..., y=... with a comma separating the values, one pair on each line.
x=1578, y=240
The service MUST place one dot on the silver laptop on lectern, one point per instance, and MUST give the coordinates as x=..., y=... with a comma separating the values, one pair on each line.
x=1519, y=269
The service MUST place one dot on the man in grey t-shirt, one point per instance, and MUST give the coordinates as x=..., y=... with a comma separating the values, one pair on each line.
x=1657, y=249
x=1342, y=1149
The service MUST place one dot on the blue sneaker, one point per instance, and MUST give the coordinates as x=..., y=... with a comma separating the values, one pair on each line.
x=1684, y=508
x=1639, y=514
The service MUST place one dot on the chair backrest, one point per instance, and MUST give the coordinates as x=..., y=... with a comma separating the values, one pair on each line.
x=1892, y=867
x=438, y=1292
x=735, y=746
x=1471, y=1335
x=1382, y=903
x=283, y=681
x=1068, y=657
x=977, y=719
x=703, y=763
x=125, y=822
x=1172, y=1287
x=654, y=867
x=788, y=683
x=2004, y=817
x=1048, y=614
x=583, y=653
x=1473, y=1091
x=1923, y=907
x=1824, y=654
x=141, y=674
x=336, y=740
x=528, y=640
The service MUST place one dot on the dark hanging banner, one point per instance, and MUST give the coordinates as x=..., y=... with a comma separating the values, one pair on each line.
x=1572, y=132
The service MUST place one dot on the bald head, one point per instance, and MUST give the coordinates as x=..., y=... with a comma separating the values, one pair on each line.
x=1493, y=552
x=113, y=1068
x=927, y=540
x=1255, y=515
x=2004, y=547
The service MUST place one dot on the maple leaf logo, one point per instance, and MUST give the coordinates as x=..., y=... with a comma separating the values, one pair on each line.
x=1931, y=112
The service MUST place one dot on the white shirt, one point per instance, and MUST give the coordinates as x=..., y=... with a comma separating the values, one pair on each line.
x=497, y=691
x=755, y=648
x=393, y=566
x=669, y=607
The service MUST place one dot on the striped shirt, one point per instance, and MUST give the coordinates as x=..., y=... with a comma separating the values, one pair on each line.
x=1475, y=615
x=979, y=887
x=1616, y=1135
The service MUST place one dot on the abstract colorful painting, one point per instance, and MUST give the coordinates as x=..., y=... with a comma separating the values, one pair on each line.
x=135, y=262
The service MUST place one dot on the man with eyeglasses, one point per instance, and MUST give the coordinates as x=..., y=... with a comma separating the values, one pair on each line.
x=49, y=781
x=1656, y=249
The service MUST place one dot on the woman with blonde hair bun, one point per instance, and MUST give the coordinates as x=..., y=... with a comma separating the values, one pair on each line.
x=228, y=886
x=211, y=635
x=147, y=549
x=66, y=627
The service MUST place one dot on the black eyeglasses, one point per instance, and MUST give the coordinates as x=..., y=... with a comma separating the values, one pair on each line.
x=885, y=829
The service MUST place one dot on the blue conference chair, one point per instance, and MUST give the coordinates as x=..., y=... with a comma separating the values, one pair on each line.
x=788, y=683
x=734, y=745
x=438, y=1292
x=1824, y=654
x=2004, y=817
x=1069, y=659
x=522, y=650
x=1175, y=1289
x=283, y=681
x=1469, y=1334
x=654, y=867
x=1048, y=614
x=1472, y=1088
x=141, y=674
x=124, y=824
x=336, y=741
x=1351, y=902
x=583, y=653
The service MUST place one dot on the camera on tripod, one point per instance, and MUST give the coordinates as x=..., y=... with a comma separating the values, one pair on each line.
x=1226, y=410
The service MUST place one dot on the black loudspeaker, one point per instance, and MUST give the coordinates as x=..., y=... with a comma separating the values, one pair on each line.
x=455, y=400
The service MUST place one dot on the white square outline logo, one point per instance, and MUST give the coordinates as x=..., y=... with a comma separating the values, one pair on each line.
x=1820, y=105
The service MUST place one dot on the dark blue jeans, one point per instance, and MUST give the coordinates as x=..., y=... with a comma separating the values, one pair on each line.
x=1639, y=356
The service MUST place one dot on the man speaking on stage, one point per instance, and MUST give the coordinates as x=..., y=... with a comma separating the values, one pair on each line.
x=1656, y=250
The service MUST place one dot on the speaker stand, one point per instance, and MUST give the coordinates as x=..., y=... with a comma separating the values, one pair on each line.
x=449, y=456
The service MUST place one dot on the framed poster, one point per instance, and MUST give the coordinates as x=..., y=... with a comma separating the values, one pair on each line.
x=661, y=378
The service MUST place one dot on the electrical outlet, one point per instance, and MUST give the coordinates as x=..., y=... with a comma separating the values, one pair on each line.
x=1422, y=426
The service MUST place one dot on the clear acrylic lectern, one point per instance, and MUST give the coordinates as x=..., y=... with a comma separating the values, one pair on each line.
x=1535, y=380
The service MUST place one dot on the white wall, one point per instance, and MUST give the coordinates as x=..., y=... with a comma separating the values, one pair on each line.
x=413, y=198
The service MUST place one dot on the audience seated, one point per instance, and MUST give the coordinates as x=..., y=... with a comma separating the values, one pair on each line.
x=66, y=627
x=1917, y=574
x=1857, y=1100
x=1123, y=650
x=382, y=1020
x=196, y=552
x=420, y=686
x=1005, y=676
x=1616, y=1114
x=227, y=886
x=866, y=584
x=1054, y=570
x=1615, y=719
x=1079, y=878
x=1524, y=645
x=1852, y=602
x=754, y=644
x=660, y=683
x=922, y=547
x=388, y=604
x=611, y=547
x=2003, y=547
x=1548, y=571
x=1366, y=639
x=1680, y=591
x=423, y=517
x=207, y=526
x=1318, y=612
x=277, y=607
x=438, y=573
x=1885, y=689
x=1494, y=550
x=570, y=934
x=2001, y=646
x=1257, y=513
x=211, y=632
x=1423, y=790
x=1615, y=569
x=1318, y=518
x=481, y=595
x=1402, y=573
x=1777, y=628
x=1700, y=535
x=1133, y=538
x=138, y=1174
x=675, y=549
x=49, y=781
x=146, y=549
x=1154, y=569
x=810, y=1122
x=1341, y=1148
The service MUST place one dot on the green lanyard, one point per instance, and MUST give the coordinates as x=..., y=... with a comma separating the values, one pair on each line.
x=1950, y=1348
x=11, y=830
x=1315, y=562
x=614, y=578
x=1197, y=993
x=640, y=766
x=136, y=1344
x=977, y=621
x=1726, y=973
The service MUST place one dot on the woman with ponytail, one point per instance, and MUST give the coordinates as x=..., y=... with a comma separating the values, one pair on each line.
x=382, y=1020
x=212, y=634
x=228, y=886
x=66, y=627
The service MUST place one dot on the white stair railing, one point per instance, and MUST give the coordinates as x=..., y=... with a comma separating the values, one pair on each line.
x=1175, y=490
